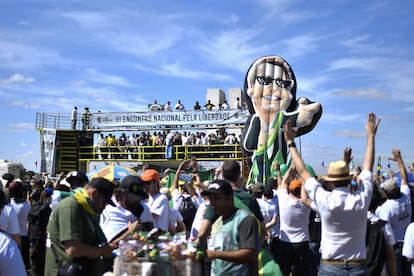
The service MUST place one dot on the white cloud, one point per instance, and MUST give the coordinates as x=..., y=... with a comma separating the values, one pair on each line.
x=233, y=49
x=332, y=118
x=20, y=127
x=26, y=105
x=300, y=45
x=18, y=78
x=349, y=133
x=20, y=55
x=95, y=76
x=24, y=23
x=370, y=93
x=354, y=63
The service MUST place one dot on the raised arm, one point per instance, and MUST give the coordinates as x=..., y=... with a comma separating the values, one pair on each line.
x=278, y=174
x=403, y=171
x=178, y=172
x=371, y=128
x=288, y=176
x=347, y=155
x=290, y=134
x=304, y=198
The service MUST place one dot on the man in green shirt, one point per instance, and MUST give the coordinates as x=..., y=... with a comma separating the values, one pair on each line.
x=75, y=237
x=235, y=238
x=231, y=172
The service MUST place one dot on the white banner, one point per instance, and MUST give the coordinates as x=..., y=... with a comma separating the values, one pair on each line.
x=48, y=150
x=101, y=120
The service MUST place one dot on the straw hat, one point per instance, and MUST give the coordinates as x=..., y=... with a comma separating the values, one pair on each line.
x=338, y=171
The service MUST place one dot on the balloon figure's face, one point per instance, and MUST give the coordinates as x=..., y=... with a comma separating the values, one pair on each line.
x=269, y=87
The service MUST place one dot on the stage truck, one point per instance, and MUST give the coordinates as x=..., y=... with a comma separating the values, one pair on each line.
x=66, y=149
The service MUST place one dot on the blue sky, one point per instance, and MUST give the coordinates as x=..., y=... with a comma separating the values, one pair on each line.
x=353, y=57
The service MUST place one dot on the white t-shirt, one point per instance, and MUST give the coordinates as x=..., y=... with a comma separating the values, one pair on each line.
x=74, y=115
x=269, y=210
x=101, y=142
x=160, y=209
x=174, y=217
x=294, y=218
x=177, y=199
x=408, y=247
x=230, y=139
x=11, y=261
x=169, y=138
x=205, y=140
x=8, y=220
x=115, y=219
x=167, y=107
x=397, y=212
x=225, y=106
x=22, y=210
x=198, y=219
x=343, y=218
x=185, y=140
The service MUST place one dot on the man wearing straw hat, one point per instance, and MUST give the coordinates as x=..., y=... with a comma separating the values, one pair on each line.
x=343, y=213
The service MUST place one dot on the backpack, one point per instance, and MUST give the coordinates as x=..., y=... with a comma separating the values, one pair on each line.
x=376, y=248
x=187, y=210
x=38, y=218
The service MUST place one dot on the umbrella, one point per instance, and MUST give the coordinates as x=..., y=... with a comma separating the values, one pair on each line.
x=112, y=172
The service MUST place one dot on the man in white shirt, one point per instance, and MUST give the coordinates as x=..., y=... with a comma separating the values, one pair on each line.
x=74, y=117
x=237, y=103
x=294, y=232
x=225, y=105
x=9, y=222
x=132, y=146
x=179, y=106
x=130, y=206
x=157, y=202
x=408, y=248
x=169, y=143
x=270, y=214
x=129, y=214
x=187, y=193
x=167, y=107
x=11, y=262
x=185, y=138
x=343, y=212
x=396, y=210
x=101, y=145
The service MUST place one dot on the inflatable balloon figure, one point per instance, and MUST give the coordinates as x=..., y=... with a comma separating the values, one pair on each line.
x=270, y=95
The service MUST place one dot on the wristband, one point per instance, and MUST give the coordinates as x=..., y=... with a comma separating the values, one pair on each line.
x=292, y=145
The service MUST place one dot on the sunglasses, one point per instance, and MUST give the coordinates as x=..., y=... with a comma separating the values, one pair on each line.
x=279, y=83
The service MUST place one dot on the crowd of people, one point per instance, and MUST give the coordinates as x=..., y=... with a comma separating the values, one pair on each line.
x=308, y=225
x=129, y=146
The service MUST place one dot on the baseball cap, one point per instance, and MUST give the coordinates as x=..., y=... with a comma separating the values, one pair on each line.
x=134, y=186
x=149, y=175
x=218, y=187
x=104, y=187
x=74, y=178
x=295, y=184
